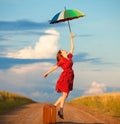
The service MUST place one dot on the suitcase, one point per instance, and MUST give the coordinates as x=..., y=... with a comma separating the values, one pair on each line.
x=49, y=114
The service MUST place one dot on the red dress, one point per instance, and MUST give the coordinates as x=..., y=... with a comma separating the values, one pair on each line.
x=65, y=81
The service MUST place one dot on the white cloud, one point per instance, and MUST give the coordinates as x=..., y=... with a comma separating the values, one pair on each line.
x=30, y=68
x=28, y=80
x=38, y=94
x=23, y=76
x=96, y=88
x=45, y=47
x=44, y=96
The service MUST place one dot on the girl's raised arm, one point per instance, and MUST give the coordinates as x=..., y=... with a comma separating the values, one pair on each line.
x=71, y=43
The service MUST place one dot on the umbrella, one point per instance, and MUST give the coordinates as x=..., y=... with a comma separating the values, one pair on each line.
x=67, y=15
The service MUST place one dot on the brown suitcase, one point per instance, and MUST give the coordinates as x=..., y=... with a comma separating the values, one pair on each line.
x=49, y=114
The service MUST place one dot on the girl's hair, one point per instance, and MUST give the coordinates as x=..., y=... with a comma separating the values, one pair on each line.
x=59, y=56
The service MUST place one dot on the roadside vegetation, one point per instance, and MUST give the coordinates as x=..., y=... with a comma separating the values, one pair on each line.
x=108, y=103
x=9, y=101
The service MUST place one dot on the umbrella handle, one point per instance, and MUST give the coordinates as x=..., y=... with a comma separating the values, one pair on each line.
x=69, y=26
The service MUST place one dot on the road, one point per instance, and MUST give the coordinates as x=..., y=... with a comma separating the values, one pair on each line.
x=73, y=114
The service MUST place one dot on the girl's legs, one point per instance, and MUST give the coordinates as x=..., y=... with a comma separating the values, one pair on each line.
x=61, y=101
x=64, y=96
x=58, y=101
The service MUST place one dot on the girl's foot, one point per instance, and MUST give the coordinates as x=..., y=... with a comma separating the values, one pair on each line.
x=60, y=113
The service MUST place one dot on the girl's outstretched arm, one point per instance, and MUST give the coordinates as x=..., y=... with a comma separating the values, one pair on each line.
x=50, y=70
x=71, y=43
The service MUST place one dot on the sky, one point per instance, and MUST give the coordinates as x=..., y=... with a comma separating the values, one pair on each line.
x=29, y=43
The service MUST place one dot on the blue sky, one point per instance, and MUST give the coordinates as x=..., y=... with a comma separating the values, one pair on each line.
x=28, y=45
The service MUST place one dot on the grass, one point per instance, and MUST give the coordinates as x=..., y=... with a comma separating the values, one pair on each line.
x=9, y=101
x=108, y=103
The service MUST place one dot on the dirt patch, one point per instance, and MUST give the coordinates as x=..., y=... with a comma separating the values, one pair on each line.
x=73, y=114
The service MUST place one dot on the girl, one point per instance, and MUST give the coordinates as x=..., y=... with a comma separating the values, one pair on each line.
x=65, y=82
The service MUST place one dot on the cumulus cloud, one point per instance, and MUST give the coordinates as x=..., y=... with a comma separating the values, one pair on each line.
x=44, y=96
x=28, y=80
x=23, y=76
x=45, y=47
x=96, y=88
x=38, y=94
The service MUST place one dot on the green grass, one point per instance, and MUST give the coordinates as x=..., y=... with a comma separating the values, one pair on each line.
x=108, y=103
x=9, y=101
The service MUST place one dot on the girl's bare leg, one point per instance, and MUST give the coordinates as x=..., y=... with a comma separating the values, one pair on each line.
x=61, y=100
x=58, y=101
x=64, y=96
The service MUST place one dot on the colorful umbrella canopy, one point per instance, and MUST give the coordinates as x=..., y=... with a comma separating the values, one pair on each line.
x=67, y=15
